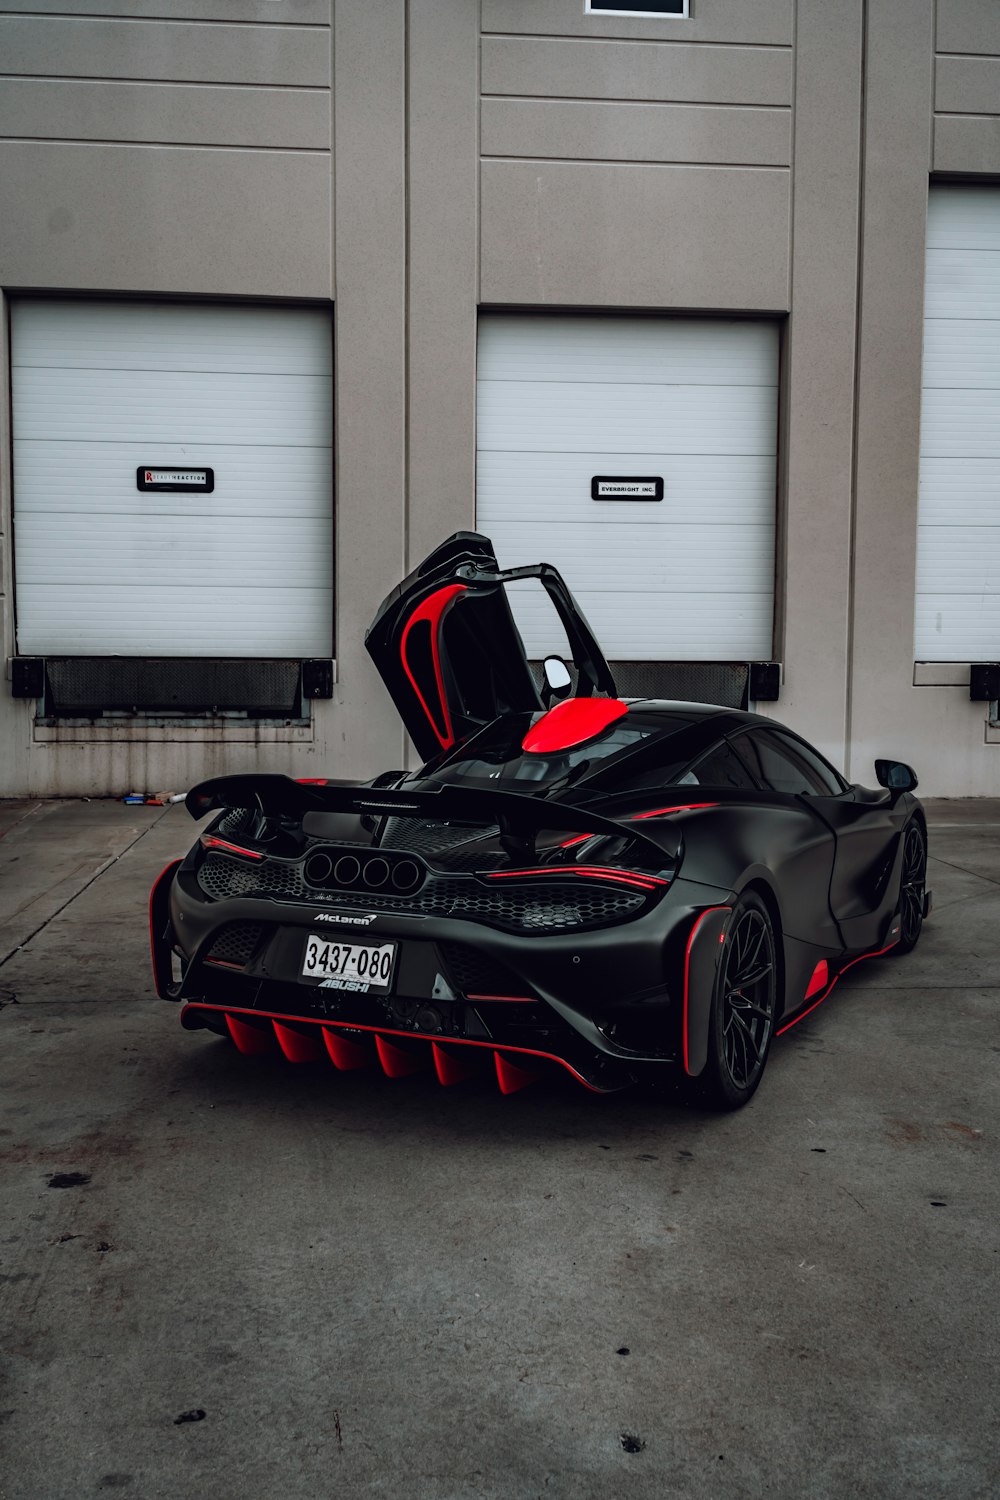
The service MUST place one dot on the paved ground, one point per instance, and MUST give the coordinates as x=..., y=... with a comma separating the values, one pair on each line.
x=386, y=1289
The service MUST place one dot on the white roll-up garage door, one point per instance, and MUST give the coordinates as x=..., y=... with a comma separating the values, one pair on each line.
x=563, y=400
x=101, y=390
x=958, y=551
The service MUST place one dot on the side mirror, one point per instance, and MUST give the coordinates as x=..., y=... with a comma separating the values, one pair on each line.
x=558, y=682
x=895, y=776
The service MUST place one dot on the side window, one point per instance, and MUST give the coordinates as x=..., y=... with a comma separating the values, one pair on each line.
x=720, y=767
x=779, y=765
x=831, y=783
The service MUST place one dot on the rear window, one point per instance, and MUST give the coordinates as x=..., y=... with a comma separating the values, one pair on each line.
x=494, y=758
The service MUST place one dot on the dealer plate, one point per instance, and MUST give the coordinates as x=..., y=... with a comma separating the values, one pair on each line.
x=349, y=966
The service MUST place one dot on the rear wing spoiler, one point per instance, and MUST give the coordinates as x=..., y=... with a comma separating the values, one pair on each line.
x=520, y=818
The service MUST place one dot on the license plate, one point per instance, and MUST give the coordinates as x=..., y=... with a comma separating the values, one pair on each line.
x=349, y=966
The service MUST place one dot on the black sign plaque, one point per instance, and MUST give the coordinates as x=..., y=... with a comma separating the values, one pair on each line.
x=626, y=487
x=165, y=480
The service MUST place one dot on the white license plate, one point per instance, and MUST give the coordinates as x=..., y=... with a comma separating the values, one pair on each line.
x=349, y=966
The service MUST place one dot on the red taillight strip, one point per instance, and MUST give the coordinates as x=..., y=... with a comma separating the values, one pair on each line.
x=208, y=841
x=589, y=872
x=687, y=974
x=826, y=993
x=376, y=1031
x=432, y=611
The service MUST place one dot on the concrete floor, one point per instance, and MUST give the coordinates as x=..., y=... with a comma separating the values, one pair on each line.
x=388, y=1289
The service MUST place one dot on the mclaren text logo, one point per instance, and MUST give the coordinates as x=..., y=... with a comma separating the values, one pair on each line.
x=346, y=918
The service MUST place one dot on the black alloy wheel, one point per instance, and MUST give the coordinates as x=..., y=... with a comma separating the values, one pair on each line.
x=743, y=1008
x=912, y=887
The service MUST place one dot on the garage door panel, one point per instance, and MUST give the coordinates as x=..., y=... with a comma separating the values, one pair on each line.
x=692, y=627
x=959, y=491
x=696, y=352
x=957, y=614
x=567, y=415
x=964, y=423
x=695, y=558
x=101, y=389
x=168, y=336
x=249, y=482
x=170, y=406
x=725, y=488
x=963, y=284
x=138, y=620
x=958, y=627
x=97, y=549
x=959, y=560
x=691, y=400
x=962, y=352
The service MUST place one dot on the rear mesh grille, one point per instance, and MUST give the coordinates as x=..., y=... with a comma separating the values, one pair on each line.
x=539, y=906
x=432, y=838
x=476, y=973
x=236, y=942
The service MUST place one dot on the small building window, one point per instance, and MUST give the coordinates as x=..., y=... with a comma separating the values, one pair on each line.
x=679, y=9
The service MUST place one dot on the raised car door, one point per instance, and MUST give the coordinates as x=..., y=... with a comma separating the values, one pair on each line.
x=447, y=648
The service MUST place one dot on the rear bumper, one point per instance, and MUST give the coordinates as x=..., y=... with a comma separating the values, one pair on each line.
x=606, y=1004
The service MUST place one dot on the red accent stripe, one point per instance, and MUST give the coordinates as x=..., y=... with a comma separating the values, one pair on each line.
x=820, y=979
x=432, y=610
x=250, y=1040
x=662, y=812
x=510, y=1077
x=687, y=975
x=570, y=723
x=345, y=1055
x=395, y=1062
x=505, y=999
x=223, y=963
x=451, y=1069
x=227, y=1011
x=208, y=841
x=826, y=993
x=296, y=1045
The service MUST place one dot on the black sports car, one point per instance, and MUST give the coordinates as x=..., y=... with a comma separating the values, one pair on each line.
x=622, y=889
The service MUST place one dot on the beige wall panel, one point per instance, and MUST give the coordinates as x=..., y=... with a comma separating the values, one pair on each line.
x=268, y=12
x=634, y=236
x=577, y=128
x=362, y=733
x=967, y=143
x=932, y=728
x=443, y=272
x=968, y=26
x=174, y=113
x=765, y=22
x=147, y=219
x=820, y=374
x=621, y=70
x=967, y=85
x=177, y=53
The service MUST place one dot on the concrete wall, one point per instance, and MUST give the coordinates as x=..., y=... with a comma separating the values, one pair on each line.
x=764, y=156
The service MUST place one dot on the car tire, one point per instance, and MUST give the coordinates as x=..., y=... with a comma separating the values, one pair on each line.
x=912, y=887
x=744, y=1007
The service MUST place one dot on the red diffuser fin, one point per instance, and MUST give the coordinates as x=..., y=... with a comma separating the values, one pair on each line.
x=395, y=1062
x=297, y=1047
x=250, y=1040
x=510, y=1077
x=451, y=1069
x=345, y=1054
